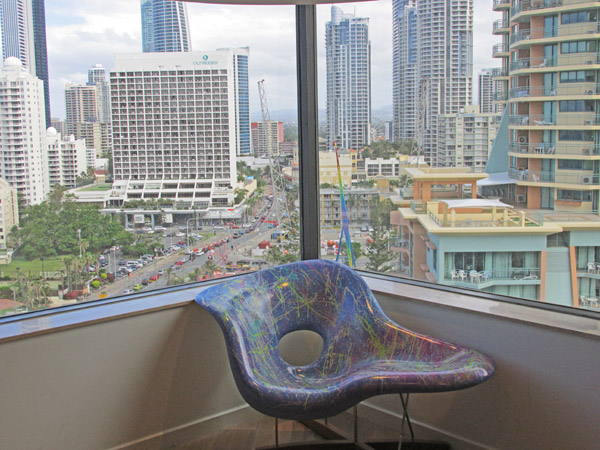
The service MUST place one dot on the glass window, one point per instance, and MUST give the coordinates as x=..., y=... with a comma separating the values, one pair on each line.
x=576, y=106
x=573, y=164
x=578, y=47
x=577, y=76
x=578, y=17
x=575, y=135
x=573, y=196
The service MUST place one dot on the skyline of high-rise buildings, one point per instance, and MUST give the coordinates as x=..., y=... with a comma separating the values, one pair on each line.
x=348, y=54
x=23, y=24
x=433, y=58
x=165, y=26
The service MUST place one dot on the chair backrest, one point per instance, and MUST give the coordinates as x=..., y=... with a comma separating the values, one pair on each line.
x=257, y=310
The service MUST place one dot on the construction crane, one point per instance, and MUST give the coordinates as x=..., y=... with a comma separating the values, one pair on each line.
x=277, y=180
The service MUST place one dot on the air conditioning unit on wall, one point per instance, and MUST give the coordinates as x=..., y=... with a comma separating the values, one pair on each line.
x=587, y=180
x=589, y=92
x=522, y=139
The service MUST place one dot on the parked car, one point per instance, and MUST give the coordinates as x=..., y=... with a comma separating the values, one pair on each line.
x=145, y=281
x=138, y=287
x=128, y=291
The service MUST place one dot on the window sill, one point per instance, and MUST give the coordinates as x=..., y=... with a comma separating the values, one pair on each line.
x=51, y=320
x=537, y=314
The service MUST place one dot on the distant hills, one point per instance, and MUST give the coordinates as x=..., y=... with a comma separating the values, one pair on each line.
x=291, y=115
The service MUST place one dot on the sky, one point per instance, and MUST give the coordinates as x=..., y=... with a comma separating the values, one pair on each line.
x=87, y=32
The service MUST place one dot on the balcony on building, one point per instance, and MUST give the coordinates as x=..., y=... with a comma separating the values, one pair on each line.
x=501, y=5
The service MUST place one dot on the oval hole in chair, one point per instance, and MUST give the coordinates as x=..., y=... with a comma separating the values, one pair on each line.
x=300, y=347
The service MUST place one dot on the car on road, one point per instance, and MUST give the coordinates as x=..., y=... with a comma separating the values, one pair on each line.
x=122, y=262
x=128, y=291
x=161, y=272
x=178, y=263
x=145, y=281
x=138, y=287
x=159, y=228
x=180, y=234
x=154, y=278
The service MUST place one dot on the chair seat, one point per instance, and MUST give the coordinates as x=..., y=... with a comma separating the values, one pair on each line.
x=364, y=352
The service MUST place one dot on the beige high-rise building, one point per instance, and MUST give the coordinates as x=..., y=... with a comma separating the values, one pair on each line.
x=9, y=211
x=80, y=105
x=466, y=138
x=550, y=52
x=23, y=150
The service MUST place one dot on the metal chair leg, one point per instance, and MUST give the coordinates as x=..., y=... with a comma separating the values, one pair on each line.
x=405, y=419
x=355, y=423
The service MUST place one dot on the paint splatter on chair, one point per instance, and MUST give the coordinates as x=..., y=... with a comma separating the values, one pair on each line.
x=364, y=352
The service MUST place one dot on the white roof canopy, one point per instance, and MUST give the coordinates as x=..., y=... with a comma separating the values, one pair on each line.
x=496, y=179
x=475, y=203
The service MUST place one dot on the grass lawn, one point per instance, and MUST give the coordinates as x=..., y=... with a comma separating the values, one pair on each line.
x=34, y=266
x=97, y=187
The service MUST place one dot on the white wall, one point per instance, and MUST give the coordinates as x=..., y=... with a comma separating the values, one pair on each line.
x=158, y=378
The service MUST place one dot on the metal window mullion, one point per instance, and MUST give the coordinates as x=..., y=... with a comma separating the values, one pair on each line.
x=308, y=140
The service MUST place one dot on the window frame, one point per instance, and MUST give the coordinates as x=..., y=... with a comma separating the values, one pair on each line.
x=306, y=52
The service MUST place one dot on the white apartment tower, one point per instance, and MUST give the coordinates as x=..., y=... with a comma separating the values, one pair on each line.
x=66, y=159
x=23, y=24
x=348, y=52
x=176, y=129
x=23, y=151
x=440, y=39
x=486, y=91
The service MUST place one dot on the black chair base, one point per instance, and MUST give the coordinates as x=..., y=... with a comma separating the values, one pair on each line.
x=336, y=441
x=349, y=445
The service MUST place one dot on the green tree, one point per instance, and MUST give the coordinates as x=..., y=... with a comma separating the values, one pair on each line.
x=377, y=250
x=50, y=229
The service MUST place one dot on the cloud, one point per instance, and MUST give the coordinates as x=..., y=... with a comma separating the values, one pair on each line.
x=86, y=32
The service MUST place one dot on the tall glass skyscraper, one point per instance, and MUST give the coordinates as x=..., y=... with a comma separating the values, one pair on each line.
x=433, y=66
x=23, y=25
x=348, y=52
x=164, y=26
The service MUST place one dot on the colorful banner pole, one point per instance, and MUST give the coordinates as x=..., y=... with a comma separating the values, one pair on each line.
x=345, y=231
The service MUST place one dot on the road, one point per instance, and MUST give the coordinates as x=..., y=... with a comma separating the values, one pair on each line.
x=231, y=252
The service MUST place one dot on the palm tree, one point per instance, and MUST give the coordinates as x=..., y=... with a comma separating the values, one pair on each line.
x=69, y=262
x=169, y=274
x=197, y=274
x=209, y=268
